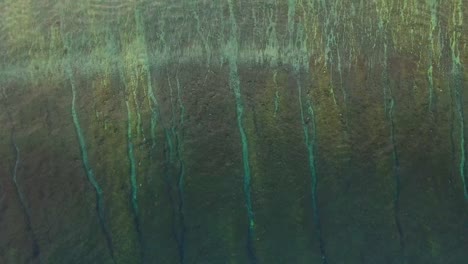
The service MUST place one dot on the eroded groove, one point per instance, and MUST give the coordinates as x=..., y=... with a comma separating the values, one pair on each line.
x=84, y=158
x=457, y=87
x=389, y=110
x=291, y=23
x=133, y=170
x=433, y=5
x=168, y=150
x=180, y=191
x=176, y=200
x=277, y=97
x=181, y=179
x=397, y=177
x=175, y=143
x=231, y=52
x=453, y=154
x=309, y=140
x=179, y=226
x=390, y=114
x=36, y=251
x=132, y=163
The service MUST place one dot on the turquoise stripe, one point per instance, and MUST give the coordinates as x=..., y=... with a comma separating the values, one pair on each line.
x=457, y=73
x=131, y=158
x=85, y=160
x=231, y=52
x=310, y=143
x=458, y=87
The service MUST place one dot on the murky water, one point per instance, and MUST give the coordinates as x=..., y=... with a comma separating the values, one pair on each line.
x=298, y=131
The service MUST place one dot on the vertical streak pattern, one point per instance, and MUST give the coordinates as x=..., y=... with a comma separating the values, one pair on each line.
x=84, y=157
x=396, y=173
x=457, y=75
x=310, y=144
x=390, y=113
x=132, y=162
x=152, y=100
x=35, y=244
x=181, y=179
x=277, y=97
x=232, y=50
x=175, y=145
x=131, y=158
x=433, y=5
x=458, y=86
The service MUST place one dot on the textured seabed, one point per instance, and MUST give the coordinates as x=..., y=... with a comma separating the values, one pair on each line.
x=272, y=131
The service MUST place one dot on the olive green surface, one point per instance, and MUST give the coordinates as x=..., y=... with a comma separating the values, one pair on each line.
x=236, y=131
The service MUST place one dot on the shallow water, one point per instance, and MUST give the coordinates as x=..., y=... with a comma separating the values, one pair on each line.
x=299, y=131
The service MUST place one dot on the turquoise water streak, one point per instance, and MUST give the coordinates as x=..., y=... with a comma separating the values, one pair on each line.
x=22, y=200
x=232, y=52
x=177, y=205
x=433, y=6
x=131, y=158
x=181, y=180
x=310, y=144
x=181, y=206
x=152, y=100
x=235, y=85
x=175, y=144
x=457, y=87
x=117, y=55
x=132, y=163
x=277, y=97
x=431, y=87
x=291, y=15
x=85, y=159
x=390, y=114
x=203, y=37
x=396, y=175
